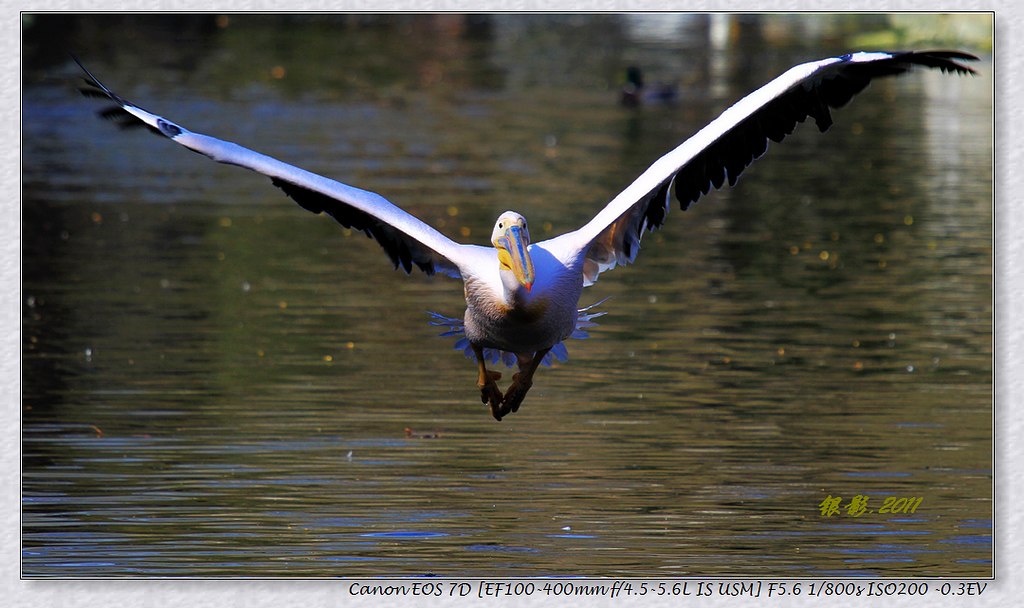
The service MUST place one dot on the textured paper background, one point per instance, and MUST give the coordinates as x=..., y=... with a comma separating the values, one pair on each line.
x=1008, y=587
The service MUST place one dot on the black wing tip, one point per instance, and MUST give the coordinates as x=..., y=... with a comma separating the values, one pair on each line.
x=724, y=160
x=947, y=54
x=945, y=60
x=942, y=59
x=78, y=62
x=93, y=88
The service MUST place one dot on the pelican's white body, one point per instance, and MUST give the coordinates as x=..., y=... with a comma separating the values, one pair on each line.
x=506, y=316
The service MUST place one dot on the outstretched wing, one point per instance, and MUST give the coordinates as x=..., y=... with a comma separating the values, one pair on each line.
x=724, y=148
x=407, y=240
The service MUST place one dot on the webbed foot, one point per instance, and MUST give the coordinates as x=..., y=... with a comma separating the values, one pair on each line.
x=491, y=395
x=516, y=392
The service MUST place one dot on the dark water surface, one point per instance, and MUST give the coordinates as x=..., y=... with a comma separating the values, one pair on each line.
x=217, y=383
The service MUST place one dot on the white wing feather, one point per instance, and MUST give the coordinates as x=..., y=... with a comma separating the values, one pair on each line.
x=405, y=238
x=721, y=150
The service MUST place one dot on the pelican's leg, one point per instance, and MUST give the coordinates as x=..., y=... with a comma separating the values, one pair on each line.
x=489, y=392
x=522, y=381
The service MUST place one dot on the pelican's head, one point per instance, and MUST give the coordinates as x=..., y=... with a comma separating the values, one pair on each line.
x=511, y=238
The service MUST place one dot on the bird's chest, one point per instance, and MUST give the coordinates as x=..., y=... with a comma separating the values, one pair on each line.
x=539, y=322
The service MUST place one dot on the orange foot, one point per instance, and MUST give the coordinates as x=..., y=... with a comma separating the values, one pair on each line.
x=516, y=392
x=490, y=394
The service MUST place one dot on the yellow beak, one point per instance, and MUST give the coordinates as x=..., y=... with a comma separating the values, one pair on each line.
x=513, y=255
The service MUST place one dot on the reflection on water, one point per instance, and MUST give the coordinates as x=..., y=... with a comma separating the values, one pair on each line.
x=217, y=383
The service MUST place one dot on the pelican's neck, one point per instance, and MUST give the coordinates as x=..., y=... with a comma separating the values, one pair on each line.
x=515, y=295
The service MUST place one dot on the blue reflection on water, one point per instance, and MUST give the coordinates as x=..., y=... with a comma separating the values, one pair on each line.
x=405, y=534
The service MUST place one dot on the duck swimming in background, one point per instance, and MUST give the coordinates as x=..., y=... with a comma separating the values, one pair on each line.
x=635, y=93
x=522, y=296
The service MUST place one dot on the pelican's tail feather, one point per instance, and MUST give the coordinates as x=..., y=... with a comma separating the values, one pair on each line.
x=585, y=321
x=456, y=327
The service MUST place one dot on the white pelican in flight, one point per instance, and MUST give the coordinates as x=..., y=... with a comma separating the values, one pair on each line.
x=521, y=296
